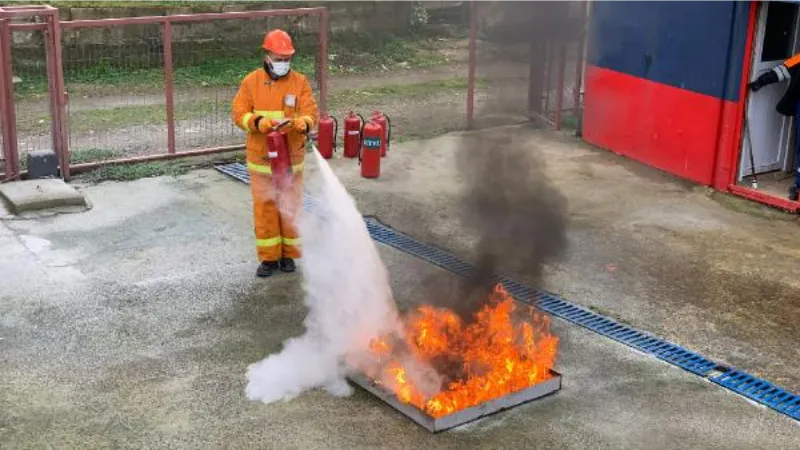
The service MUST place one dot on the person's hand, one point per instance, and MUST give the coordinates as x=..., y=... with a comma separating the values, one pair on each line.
x=300, y=125
x=755, y=85
x=265, y=124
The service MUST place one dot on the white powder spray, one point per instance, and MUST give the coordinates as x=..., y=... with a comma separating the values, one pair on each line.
x=347, y=292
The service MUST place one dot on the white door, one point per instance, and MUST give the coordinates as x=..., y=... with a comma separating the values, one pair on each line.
x=770, y=132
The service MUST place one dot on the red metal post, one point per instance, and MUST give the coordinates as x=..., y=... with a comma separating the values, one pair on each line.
x=579, y=62
x=7, y=107
x=548, y=76
x=562, y=64
x=323, y=60
x=168, y=88
x=734, y=156
x=473, y=37
x=58, y=94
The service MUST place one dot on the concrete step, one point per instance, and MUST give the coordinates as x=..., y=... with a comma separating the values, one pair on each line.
x=42, y=194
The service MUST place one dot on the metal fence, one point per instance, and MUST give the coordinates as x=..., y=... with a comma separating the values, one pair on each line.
x=142, y=88
x=527, y=61
x=136, y=89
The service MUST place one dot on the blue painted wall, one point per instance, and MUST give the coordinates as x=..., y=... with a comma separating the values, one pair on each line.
x=697, y=46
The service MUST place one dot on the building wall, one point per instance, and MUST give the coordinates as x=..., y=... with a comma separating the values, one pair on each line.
x=663, y=84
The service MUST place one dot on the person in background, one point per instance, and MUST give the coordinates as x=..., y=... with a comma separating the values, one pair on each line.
x=788, y=105
x=266, y=97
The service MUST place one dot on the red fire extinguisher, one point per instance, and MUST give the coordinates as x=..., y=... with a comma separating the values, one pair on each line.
x=370, y=156
x=278, y=154
x=352, y=134
x=383, y=120
x=326, y=135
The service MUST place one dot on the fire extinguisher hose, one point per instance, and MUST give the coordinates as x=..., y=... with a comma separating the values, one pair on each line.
x=388, y=131
x=360, y=137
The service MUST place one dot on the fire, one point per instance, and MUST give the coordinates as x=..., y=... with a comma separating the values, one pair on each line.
x=491, y=356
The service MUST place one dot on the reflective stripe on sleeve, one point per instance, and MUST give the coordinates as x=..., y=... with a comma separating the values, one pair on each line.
x=246, y=120
x=274, y=115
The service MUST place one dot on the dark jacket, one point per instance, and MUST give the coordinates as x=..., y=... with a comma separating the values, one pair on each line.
x=788, y=70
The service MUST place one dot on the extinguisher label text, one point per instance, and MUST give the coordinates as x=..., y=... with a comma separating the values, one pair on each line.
x=372, y=143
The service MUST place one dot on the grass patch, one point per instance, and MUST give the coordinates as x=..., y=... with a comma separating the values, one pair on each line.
x=130, y=172
x=173, y=168
x=86, y=155
x=367, y=52
x=366, y=96
x=122, y=116
x=103, y=119
x=569, y=121
x=348, y=53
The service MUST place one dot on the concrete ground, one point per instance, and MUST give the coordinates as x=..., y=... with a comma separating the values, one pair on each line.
x=132, y=324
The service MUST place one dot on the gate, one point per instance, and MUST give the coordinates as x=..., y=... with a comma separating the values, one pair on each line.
x=46, y=33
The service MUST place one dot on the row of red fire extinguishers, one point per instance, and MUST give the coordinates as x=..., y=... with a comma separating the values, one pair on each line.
x=368, y=141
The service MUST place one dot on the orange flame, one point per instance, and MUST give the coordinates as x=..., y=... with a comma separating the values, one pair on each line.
x=492, y=356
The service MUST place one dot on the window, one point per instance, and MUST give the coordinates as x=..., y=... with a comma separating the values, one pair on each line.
x=779, y=31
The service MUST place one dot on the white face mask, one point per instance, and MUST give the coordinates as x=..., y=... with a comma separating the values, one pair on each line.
x=280, y=68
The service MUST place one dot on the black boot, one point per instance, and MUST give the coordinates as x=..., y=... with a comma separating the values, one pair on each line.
x=287, y=265
x=793, y=193
x=266, y=268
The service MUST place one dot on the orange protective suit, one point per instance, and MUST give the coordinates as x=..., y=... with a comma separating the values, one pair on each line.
x=275, y=213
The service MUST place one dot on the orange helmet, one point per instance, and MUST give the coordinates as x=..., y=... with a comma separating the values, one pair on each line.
x=279, y=42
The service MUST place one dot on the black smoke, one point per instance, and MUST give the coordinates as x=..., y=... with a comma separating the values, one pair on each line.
x=516, y=216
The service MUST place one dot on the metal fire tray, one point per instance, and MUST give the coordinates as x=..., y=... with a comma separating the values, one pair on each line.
x=463, y=416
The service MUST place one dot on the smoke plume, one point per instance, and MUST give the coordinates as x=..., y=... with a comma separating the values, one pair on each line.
x=346, y=291
x=511, y=209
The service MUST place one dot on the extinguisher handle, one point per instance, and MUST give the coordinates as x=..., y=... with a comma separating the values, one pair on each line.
x=335, y=131
x=281, y=124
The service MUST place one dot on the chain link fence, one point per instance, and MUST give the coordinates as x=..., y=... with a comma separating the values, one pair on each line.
x=118, y=88
x=147, y=86
x=529, y=61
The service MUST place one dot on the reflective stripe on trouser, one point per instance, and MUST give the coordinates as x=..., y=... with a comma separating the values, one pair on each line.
x=267, y=170
x=275, y=217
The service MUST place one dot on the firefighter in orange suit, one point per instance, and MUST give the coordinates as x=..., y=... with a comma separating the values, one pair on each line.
x=266, y=97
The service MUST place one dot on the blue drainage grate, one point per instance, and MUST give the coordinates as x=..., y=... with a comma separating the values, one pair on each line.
x=751, y=387
x=761, y=391
x=550, y=303
x=642, y=341
x=235, y=170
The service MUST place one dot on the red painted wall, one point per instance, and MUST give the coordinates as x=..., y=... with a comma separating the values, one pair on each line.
x=669, y=128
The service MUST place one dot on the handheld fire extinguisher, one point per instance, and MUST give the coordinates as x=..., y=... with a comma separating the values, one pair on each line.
x=352, y=134
x=383, y=120
x=370, y=156
x=277, y=149
x=326, y=135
